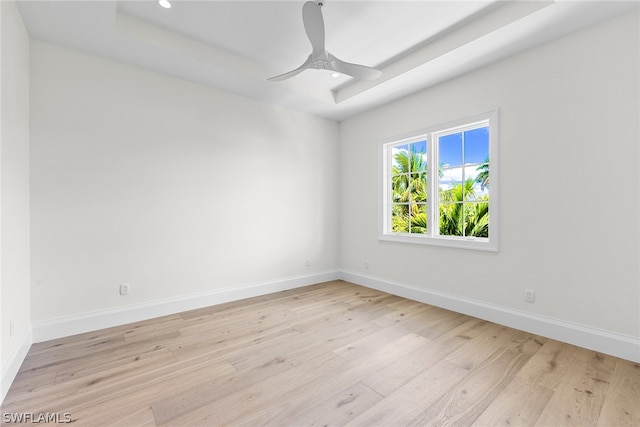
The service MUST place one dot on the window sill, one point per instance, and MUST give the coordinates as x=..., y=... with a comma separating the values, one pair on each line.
x=450, y=242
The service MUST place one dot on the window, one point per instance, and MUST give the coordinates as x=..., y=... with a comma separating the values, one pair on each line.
x=436, y=188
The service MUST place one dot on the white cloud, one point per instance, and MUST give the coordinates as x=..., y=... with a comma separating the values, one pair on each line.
x=453, y=176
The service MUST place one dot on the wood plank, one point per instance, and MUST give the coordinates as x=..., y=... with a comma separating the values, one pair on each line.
x=41, y=396
x=120, y=367
x=580, y=396
x=314, y=346
x=114, y=408
x=371, y=343
x=442, y=321
x=548, y=366
x=285, y=407
x=463, y=403
x=406, y=403
x=140, y=418
x=524, y=399
x=388, y=379
x=224, y=347
x=326, y=317
x=519, y=404
x=338, y=409
x=229, y=406
x=475, y=351
x=71, y=396
x=622, y=404
x=24, y=385
x=316, y=339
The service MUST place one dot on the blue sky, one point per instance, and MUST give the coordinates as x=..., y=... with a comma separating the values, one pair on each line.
x=476, y=150
x=476, y=147
x=450, y=150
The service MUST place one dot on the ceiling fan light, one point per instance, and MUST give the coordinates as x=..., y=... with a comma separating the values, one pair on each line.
x=164, y=3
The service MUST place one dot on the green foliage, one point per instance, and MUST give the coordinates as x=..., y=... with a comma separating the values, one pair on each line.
x=418, y=219
x=462, y=212
x=409, y=193
x=483, y=176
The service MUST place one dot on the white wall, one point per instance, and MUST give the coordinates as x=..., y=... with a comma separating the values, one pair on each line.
x=172, y=187
x=15, y=326
x=569, y=202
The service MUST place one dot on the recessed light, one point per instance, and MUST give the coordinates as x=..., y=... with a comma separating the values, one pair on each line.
x=335, y=75
x=164, y=3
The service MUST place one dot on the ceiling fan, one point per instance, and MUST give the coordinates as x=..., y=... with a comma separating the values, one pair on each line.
x=320, y=59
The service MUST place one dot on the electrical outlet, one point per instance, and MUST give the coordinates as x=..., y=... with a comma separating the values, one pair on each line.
x=529, y=295
x=366, y=264
x=308, y=262
x=124, y=289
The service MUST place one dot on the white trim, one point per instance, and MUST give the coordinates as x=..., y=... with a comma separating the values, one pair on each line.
x=11, y=368
x=430, y=135
x=623, y=346
x=86, y=322
x=477, y=244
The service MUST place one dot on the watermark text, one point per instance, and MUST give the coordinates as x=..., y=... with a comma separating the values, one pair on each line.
x=36, y=418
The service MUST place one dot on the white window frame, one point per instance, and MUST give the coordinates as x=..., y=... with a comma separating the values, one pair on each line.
x=432, y=237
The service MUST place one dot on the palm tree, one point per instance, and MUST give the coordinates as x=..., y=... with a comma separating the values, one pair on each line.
x=463, y=218
x=477, y=219
x=483, y=176
x=406, y=163
x=409, y=186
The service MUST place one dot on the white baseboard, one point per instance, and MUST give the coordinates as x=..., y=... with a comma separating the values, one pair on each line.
x=11, y=368
x=93, y=321
x=623, y=346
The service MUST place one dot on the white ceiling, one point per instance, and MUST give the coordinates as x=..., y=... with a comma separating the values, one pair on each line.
x=237, y=45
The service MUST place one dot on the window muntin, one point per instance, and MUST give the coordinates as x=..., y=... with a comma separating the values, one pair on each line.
x=453, y=204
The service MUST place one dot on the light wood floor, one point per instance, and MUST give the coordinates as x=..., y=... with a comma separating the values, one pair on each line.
x=330, y=354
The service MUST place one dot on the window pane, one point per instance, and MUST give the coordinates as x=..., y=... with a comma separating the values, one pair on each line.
x=450, y=150
x=450, y=187
x=400, y=162
x=476, y=159
x=400, y=218
x=400, y=188
x=418, y=187
x=450, y=184
x=418, y=161
x=478, y=175
x=476, y=146
x=418, y=218
x=476, y=219
x=451, y=219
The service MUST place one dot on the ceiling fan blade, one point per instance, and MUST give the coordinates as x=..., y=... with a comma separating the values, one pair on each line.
x=292, y=72
x=314, y=26
x=354, y=70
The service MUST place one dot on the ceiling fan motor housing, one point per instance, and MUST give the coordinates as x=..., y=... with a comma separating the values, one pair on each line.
x=321, y=64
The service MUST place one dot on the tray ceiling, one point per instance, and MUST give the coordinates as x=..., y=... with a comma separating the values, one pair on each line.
x=237, y=45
